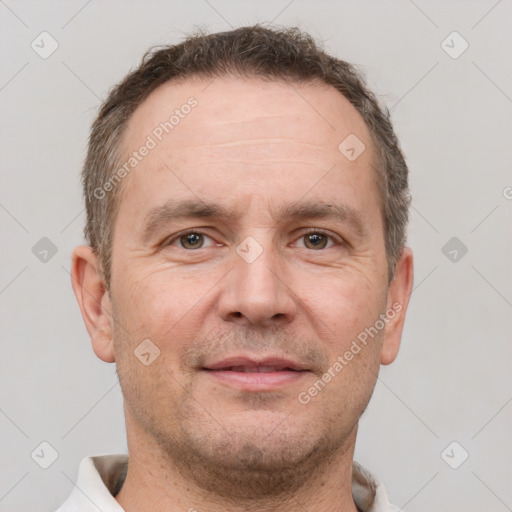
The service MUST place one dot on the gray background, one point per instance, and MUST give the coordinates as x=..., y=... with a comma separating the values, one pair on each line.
x=452, y=380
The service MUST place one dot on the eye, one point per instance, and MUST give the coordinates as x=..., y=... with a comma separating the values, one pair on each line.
x=317, y=240
x=191, y=240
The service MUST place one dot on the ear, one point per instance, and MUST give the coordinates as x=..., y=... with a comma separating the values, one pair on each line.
x=94, y=301
x=399, y=293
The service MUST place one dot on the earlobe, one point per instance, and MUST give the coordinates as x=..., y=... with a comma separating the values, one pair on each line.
x=399, y=293
x=94, y=301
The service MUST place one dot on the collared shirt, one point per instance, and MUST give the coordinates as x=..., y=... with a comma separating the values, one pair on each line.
x=101, y=478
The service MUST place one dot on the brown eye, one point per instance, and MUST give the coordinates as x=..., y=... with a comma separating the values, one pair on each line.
x=192, y=241
x=316, y=240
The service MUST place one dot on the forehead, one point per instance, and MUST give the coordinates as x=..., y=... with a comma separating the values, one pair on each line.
x=210, y=137
x=245, y=107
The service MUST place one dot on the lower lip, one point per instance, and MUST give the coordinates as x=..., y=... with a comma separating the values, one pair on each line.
x=257, y=381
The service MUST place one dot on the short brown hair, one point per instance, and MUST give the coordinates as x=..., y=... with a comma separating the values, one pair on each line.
x=257, y=51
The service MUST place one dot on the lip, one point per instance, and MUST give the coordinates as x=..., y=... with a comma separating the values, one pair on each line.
x=256, y=374
x=255, y=362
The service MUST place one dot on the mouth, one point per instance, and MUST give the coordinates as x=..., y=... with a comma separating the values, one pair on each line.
x=250, y=374
x=257, y=369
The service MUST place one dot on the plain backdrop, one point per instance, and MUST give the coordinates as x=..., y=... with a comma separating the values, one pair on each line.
x=451, y=107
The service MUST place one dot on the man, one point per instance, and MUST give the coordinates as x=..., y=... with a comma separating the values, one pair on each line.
x=246, y=271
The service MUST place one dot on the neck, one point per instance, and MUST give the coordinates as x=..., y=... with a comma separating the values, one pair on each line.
x=156, y=482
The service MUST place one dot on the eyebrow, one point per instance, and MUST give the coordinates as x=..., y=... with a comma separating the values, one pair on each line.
x=174, y=210
x=180, y=210
x=342, y=213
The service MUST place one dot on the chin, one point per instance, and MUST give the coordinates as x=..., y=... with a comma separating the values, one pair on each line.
x=253, y=462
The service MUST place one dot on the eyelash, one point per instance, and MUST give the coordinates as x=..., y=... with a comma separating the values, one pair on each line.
x=320, y=231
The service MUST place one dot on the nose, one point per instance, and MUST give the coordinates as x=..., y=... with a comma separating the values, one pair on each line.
x=256, y=292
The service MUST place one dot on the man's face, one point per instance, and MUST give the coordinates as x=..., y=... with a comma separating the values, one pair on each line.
x=277, y=284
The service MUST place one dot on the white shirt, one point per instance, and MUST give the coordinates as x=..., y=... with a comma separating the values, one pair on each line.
x=101, y=478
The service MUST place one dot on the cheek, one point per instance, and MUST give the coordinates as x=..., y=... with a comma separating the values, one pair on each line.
x=162, y=306
x=346, y=308
x=351, y=342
